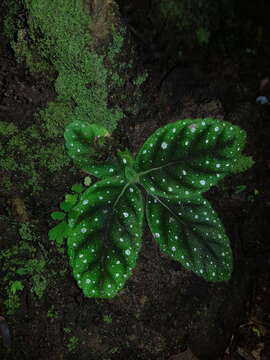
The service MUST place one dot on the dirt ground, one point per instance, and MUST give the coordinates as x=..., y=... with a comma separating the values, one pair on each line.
x=164, y=311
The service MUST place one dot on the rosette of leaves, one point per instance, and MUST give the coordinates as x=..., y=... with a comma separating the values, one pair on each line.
x=166, y=181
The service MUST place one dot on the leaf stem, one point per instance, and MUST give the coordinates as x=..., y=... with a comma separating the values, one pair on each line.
x=157, y=168
x=120, y=195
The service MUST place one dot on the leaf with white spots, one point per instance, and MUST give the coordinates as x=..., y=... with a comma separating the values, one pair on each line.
x=85, y=144
x=105, y=236
x=125, y=158
x=187, y=157
x=175, y=166
x=191, y=233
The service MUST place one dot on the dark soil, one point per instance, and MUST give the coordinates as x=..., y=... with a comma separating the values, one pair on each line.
x=164, y=311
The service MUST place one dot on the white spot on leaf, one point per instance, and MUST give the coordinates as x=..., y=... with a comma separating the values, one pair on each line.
x=164, y=145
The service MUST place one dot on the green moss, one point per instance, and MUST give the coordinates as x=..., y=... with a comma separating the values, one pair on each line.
x=18, y=143
x=23, y=263
x=81, y=82
x=124, y=78
x=8, y=164
x=50, y=152
x=11, y=20
x=24, y=54
x=9, y=139
x=56, y=40
x=117, y=43
x=192, y=21
x=6, y=184
x=140, y=79
x=54, y=118
x=27, y=154
x=54, y=37
x=31, y=172
x=7, y=128
x=173, y=10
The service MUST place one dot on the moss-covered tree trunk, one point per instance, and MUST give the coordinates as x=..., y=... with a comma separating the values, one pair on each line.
x=84, y=47
x=83, y=51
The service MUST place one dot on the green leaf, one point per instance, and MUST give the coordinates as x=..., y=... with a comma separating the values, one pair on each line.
x=58, y=215
x=69, y=202
x=77, y=188
x=84, y=144
x=243, y=163
x=59, y=232
x=175, y=166
x=126, y=158
x=203, y=35
x=105, y=237
x=16, y=285
x=191, y=233
x=87, y=181
x=22, y=271
x=187, y=157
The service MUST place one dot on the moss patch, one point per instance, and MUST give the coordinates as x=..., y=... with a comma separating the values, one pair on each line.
x=57, y=37
x=25, y=154
x=56, y=41
x=81, y=82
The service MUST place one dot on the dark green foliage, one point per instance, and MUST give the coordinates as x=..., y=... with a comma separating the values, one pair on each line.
x=190, y=232
x=174, y=166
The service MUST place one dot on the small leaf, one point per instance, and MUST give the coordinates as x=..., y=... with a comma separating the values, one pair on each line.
x=69, y=202
x=71, y=198
x=59, y=232
x=125, y=157
x=190, y=232
x=105, y=238
x=87, y=181
x=16, y=285
x=77, y=188
x=58, y=215
x=81, y=139
x=65, y=206
x=243, y=163
x=22, y=271
x=187, y=157
x=203, y=35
